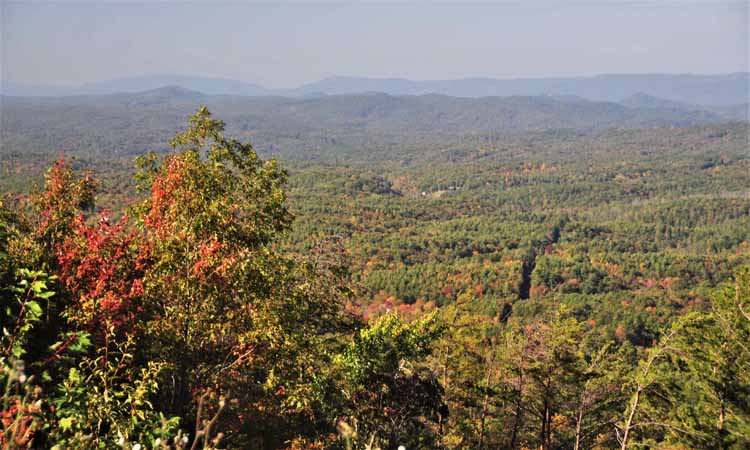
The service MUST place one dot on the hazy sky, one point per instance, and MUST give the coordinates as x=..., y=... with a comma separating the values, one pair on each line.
x=283, y=45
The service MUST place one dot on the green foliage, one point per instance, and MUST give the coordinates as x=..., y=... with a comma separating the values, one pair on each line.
x=549, y=289
x=23, y=311
x=227, y=311
x=106, y=401
x=544, y=384
x=382, y=347
x=707, y=378
x=391, y=399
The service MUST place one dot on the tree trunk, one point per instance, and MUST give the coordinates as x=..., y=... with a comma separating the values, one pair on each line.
x=545, y=426
x=519, y=411
x=482, y=421
x=486, y=400
x=722, y=420
x=629, y=421
x=579, y=426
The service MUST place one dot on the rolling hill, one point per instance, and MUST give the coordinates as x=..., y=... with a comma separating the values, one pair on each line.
x=134, y=122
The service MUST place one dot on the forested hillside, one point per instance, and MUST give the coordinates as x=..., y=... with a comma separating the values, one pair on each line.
x=427, y=272
x=133, y=123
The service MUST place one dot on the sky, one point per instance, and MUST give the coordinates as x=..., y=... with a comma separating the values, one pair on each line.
x=287, y=44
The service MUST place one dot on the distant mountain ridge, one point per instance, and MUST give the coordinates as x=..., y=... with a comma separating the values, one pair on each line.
x=725, y=90
x=361, y=114
x=206, y=85
x=127, y=124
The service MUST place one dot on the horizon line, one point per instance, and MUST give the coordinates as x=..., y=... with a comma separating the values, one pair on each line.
x=392, y=78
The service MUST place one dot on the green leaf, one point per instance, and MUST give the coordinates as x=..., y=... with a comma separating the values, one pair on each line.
x=34, y=309
x=66, y=423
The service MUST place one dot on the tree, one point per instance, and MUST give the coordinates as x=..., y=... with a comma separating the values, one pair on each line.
x=57, y=206
x=188, y=303
x=228, y=311
x=391, y=397
x=645, y=385
x=469, y=361
x=552, y=368
x=709, y=373
x=597, y=395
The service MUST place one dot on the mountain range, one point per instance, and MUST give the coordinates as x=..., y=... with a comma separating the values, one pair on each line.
x=373, y=112
x=130, y=123
x=724, y=89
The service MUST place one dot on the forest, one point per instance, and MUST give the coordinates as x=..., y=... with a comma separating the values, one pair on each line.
x=347, y=273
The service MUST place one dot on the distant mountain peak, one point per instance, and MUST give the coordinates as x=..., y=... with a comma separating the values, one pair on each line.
x=643, y=96
x=172, y=91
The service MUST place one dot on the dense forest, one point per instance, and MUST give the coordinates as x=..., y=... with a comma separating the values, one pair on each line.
x=384, y=272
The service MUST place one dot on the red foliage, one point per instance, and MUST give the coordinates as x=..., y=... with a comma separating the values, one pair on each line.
x=101, y=266
x=21, y=431
x=209, y=257
x=164, y=194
